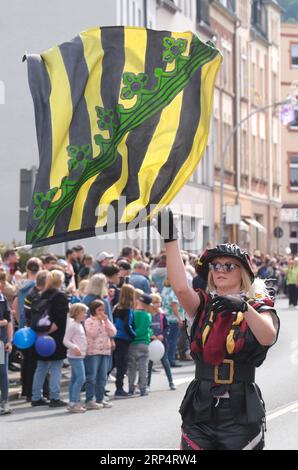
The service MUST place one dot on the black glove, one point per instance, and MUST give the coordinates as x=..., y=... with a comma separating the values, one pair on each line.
x=229, y=304
x=166, y=226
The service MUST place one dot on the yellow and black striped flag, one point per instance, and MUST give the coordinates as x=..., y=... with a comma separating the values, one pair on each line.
x=121, y=114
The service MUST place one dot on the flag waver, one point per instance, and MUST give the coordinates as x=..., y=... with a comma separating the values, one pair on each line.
x=119, y=112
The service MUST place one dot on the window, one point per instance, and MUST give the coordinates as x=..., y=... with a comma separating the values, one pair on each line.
x=244, y=79
x=262, y=85
x=294, y=55
x=293, y=173
x=216, y=142
x=229, y=164
x=253, y=156
x=263, y=159
x=229, y=4
x=294, y=124
x=227, y=65
x=133, y=13
x=275, y=165
x=274, y=87
x=244, y=156
x=128, y=15
x=259, y=17
x=253, y=81
x=203, y=11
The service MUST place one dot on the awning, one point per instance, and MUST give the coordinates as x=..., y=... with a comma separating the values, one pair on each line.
x=256, y=224
x=243, y=226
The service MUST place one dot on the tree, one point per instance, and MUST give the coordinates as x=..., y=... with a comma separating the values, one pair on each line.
x=291, y=10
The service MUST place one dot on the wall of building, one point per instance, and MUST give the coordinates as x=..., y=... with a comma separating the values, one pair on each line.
x=289, y=84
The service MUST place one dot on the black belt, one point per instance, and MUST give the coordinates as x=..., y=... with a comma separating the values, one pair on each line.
x=226, y=373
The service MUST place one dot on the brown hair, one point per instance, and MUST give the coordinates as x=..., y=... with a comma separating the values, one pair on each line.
x=41, y=278
x=127, y=297
x=94, y=306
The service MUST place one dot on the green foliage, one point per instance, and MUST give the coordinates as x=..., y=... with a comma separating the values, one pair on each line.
x=291, y=10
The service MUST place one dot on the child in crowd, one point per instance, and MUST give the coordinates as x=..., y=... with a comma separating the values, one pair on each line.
x=123, y=320
x=138, y=354
x=99, y=331
x=76, y=342
x=160, y=328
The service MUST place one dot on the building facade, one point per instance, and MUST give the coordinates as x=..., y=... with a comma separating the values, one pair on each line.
x=289, y=85
x=248, y=34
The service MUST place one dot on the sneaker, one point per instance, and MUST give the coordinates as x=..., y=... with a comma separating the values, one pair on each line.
x=40, y=402
x=77, y=408
x=57, y=404
x=92, y=405
x=172, y=386
x=176, y=364
x=144, y=393
x=133, y=393
x=105, y=404
x=6, y=410
x=119, y=394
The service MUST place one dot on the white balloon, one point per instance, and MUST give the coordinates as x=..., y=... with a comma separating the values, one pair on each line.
x=156, y=350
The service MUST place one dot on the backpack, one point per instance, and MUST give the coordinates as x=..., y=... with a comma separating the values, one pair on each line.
x=41, y=314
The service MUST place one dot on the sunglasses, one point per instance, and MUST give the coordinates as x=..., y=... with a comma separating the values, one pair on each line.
x=226, y=267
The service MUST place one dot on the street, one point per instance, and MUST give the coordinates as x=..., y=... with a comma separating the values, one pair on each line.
x=153, y=422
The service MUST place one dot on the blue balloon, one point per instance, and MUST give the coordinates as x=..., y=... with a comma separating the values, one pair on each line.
x=24, y=338
x=45, y=346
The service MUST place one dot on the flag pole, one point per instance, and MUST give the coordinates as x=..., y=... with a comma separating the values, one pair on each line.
x=24, y=247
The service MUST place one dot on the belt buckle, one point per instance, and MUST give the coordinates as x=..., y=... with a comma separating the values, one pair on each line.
x=230, y=380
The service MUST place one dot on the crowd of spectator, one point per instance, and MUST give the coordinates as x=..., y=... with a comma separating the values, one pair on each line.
x=104, y=312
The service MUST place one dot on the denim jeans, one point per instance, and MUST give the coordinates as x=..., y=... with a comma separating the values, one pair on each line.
x=96, y=376
x=4, y=378
x=167, y=368
x=173, y=337
x=55, y=367
x=77, y=380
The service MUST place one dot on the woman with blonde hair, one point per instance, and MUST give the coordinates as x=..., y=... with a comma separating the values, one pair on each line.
x=58, y=308
x=123, y=319
x=234, y=324
x=97, y=289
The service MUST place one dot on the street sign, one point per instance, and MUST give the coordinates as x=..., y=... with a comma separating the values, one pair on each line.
x=278, y=232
